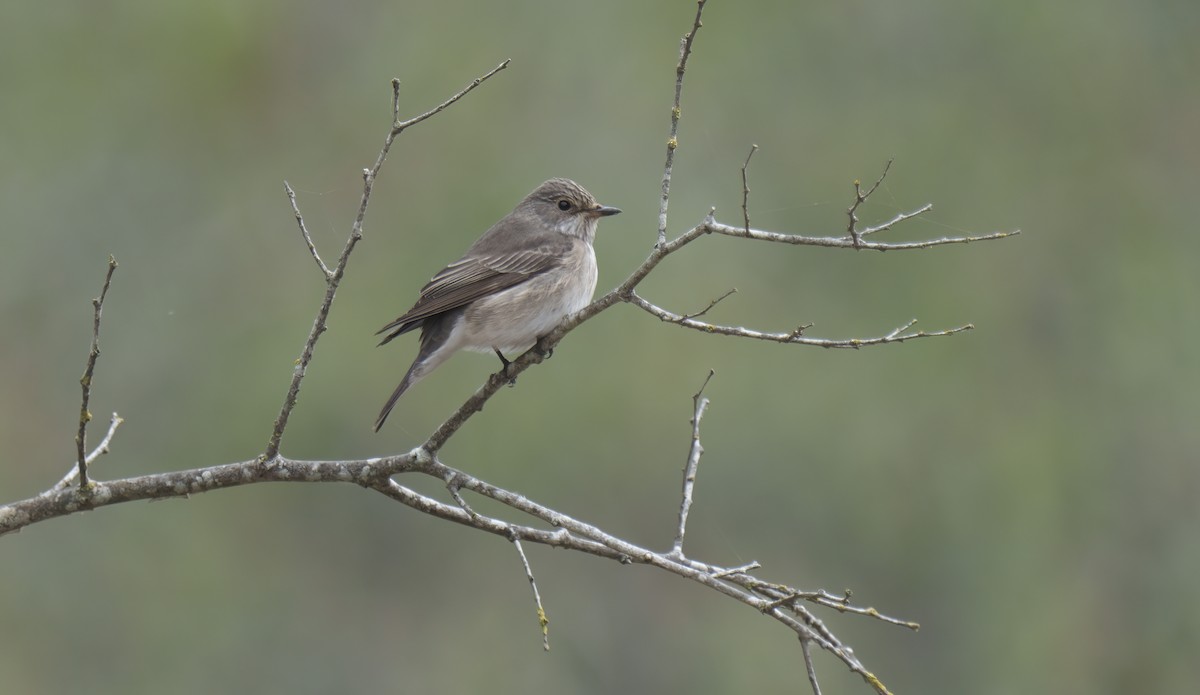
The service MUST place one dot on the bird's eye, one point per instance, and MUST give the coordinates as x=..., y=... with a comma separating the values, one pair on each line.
x=564, y=205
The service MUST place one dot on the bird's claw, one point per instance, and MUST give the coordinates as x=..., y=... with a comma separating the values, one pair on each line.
x=545, y=352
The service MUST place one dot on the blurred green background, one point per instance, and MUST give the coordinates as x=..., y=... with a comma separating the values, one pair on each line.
x=1028, y=491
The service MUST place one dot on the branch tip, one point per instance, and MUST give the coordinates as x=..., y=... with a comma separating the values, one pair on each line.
x=312, y=249
x=685, y=50
x=398, y=127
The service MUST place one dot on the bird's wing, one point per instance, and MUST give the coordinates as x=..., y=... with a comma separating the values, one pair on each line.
x=475, y=276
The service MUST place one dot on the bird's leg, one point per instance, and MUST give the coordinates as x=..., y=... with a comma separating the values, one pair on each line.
x=512, y=381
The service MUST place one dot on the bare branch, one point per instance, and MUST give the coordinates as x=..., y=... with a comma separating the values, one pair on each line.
x=746, y=189
x=776, y=600
x=332, y=280
x=808, y=666
x=699, y=405
x=85, y=381
x=796, y=336
x=685, y=50
x=304, y=232
x=736, y=584
x=559, y=538
x=495, y=382
x=711, y=226
x=543, y=620
x=376, y=474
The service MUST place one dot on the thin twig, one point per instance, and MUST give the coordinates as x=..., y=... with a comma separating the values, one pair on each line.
x=397, y=128
x=746, y=189
x=304, y=231
x=101, y=449
x=711, y=304
x=793, y=615
x=781, y=595
x=543, y=619
x=897, y=331
x=860, y=197
x=699, y=405
x=900, y=217
x=334, y=279
x=85, y=381
x=740, y=569
x=714, y=227
x=793, y=337
x=685, y=50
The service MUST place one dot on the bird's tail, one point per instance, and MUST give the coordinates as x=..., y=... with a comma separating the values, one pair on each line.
x=407, y=381
x=439, y=340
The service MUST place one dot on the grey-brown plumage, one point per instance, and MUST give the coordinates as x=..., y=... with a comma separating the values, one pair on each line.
x=512, y=286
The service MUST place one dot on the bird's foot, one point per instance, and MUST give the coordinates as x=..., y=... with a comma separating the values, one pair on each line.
x=541, y=349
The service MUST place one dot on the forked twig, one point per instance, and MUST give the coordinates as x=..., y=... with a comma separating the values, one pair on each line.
x=89, y=371
x=101, y=449
x=860, y=197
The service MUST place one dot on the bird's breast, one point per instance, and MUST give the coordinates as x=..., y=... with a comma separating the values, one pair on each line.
x=514, y=318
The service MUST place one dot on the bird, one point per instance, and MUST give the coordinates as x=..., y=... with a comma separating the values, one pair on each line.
x=518, y=281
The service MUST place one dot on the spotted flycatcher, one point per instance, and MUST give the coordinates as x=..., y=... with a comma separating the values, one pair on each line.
x=513, y=286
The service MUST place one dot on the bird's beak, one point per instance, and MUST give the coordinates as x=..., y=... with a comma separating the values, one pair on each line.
x=604, y=211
